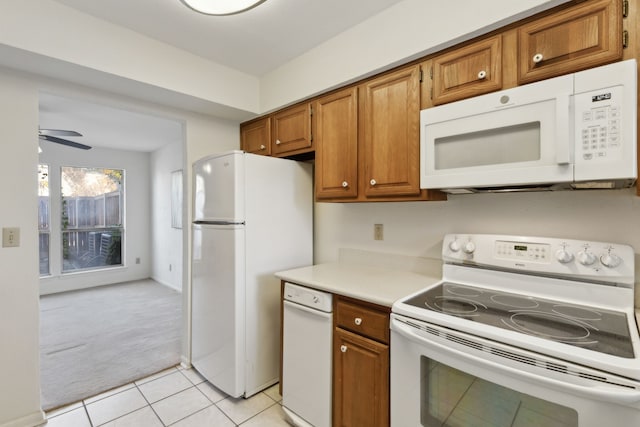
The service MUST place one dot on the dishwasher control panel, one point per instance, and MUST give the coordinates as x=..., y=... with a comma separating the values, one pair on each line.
x=308, y=297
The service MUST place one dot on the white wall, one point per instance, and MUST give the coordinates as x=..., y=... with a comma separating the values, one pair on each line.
x=166, y=241
x=417, y=228
x=137, y=212
x=19, y=367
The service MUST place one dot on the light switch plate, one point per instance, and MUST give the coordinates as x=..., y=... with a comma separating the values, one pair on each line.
x=10, y=237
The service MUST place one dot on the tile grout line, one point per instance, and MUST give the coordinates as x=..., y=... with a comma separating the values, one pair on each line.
x=149, y=404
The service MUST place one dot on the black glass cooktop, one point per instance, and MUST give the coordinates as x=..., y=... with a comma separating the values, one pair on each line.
x=600, y=330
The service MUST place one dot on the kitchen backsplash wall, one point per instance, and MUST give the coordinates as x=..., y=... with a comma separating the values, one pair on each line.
x=416, y=229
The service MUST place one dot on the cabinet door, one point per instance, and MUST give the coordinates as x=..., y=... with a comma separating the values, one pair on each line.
x=468, y=71
x=360, y=381
x=577, y=38
x=390, y=126
x=336, y=138
x=292, y=130
x=255, y=136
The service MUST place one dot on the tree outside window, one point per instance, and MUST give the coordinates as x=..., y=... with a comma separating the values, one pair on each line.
x=43, y=218
x=92, y=212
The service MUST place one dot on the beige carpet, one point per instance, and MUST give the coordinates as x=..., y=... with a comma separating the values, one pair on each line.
x=97, y=339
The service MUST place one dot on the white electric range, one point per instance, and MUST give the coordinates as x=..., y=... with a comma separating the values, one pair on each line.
x=523, y=331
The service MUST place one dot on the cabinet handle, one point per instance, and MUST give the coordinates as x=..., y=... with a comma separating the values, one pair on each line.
x=343, y=348
x=482, y=75
x=262, y=147
x=537, y=58
x=277, y=142
x=372, y=182
x=345, y=184
x=358, y=321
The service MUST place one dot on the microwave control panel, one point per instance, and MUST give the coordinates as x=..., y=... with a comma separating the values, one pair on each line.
x=598, y=130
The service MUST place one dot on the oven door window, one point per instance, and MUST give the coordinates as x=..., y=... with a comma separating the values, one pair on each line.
x=452, y=398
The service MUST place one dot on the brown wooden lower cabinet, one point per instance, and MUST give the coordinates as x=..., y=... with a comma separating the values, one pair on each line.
x=360, y=381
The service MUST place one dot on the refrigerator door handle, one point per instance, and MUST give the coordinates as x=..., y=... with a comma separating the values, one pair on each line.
x=202, y=222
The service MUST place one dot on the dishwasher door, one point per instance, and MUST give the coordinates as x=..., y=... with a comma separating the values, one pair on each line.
x=307, y=345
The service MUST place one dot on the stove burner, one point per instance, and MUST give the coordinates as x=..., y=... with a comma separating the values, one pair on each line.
x=576, y=312
x=456, y=306
x=515, y=301
x=551, y=326
x=588, y=327
x=464, y=291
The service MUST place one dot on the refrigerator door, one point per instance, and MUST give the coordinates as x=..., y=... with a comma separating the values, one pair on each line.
x=218, y=309
x=219, y=188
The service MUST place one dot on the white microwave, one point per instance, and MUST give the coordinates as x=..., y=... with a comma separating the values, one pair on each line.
x=568, y=132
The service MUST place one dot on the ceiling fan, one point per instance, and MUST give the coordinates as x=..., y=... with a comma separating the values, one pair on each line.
x=52, y=135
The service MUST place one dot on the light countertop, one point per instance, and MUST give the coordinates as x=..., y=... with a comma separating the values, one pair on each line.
x=379, y=285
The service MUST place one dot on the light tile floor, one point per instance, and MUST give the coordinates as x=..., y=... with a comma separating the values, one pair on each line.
x=174, y=397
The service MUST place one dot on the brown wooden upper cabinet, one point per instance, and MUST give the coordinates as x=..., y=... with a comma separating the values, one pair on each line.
x=335, y=130
x=468, y=71
x=291, y=133
x=390, y=134
x=255, y=136
x=580, y=37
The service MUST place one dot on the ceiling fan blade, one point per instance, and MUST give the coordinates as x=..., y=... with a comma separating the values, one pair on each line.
x=65, y=142
x=58, y=132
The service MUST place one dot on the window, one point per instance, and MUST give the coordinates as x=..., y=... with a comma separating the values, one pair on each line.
x=43, y=218
x=92, y=212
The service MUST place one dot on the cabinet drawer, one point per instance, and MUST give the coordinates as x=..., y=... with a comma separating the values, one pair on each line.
x=364, y=320
x=468, y=71
x=580, y=37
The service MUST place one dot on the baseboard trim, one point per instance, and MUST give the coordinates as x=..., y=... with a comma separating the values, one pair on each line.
x=185, y=362
x=31, y=420
x=168, y=285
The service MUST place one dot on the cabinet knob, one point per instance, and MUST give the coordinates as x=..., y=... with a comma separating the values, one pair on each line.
x=358, y=321
x=262, y=147
x=537, y=58
x=372, y=182
x=278, y=142
x=345, y=184
x=482, y=75
x=343, y=348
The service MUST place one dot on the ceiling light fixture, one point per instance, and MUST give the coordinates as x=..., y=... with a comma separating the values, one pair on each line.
x=221, y=7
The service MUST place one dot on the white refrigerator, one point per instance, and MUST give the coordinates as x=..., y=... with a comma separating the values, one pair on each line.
x=253, y=216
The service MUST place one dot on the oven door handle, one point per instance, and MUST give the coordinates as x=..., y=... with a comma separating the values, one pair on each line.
x=594, y=390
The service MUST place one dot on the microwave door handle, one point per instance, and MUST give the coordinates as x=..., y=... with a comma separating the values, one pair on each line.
x=563, y=130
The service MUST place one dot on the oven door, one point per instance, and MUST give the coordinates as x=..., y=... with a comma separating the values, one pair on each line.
x=520, y=136
x=443, y=377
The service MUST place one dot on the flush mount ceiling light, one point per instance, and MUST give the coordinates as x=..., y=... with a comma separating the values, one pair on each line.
x=221, y=7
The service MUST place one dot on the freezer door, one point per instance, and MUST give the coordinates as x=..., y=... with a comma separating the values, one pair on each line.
x=218, y=294
x=218, y=188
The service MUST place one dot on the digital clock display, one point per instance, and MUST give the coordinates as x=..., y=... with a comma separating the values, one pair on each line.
x=520, y=247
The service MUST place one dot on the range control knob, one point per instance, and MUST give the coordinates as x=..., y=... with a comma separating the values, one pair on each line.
x=469, y=247
x=586, y=258
x=454, y=245
x=564, y=256
x=610, y=260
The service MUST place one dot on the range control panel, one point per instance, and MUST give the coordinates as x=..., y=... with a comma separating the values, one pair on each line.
x=609, y=262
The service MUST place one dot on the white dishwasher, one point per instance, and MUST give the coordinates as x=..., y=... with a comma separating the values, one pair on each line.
x=306, y=356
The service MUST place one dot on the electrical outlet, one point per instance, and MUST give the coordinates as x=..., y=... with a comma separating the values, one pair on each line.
x=170, y=267
x=378, y=230
x=10, y=237
x=137, y=260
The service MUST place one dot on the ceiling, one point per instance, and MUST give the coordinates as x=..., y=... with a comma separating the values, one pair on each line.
x=255, y=42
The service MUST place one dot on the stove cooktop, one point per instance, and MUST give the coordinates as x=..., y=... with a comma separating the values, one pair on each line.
x=599, y=330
